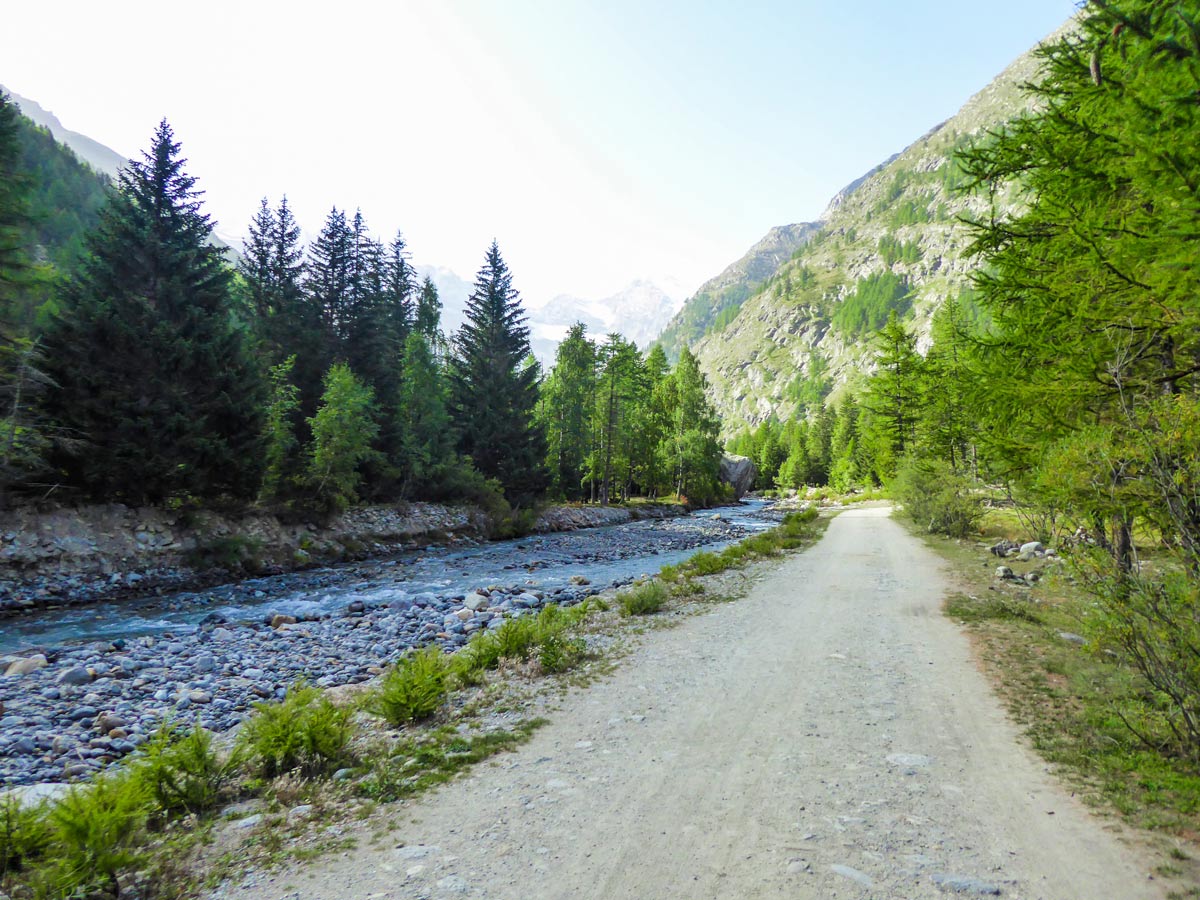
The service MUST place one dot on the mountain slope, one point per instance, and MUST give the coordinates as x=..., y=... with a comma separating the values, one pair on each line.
x=720, y=296
x=892, y=240
x=65, y=194
x=638, y=312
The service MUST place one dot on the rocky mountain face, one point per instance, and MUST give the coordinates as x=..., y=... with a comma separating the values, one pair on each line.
x=718, y=299
x=893, y=239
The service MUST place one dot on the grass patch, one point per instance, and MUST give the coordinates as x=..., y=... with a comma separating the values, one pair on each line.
x=416, y=765
x=1072, y=701
x=644, y=599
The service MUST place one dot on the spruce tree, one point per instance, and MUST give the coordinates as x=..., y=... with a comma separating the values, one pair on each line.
x=494, y=387
x=149, y=369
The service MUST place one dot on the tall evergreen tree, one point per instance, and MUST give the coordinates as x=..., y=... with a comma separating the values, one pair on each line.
x=149, y=369
x=428, y=317
x=568, y=393
x=894, y=394
x=428, y=444
x=494, y=388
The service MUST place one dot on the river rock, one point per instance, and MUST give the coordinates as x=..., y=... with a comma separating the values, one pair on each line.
x=476, y=602
x=279, y=620
x=76, y=675
x=739, y=473
x=27, y=665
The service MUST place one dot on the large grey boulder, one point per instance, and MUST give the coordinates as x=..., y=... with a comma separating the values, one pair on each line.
x=740, y=472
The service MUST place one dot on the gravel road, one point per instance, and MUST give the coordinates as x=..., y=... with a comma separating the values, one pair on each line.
x=828, y=736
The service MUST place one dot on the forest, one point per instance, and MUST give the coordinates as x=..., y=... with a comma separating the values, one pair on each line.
x=139, y=365
x=1065, y=383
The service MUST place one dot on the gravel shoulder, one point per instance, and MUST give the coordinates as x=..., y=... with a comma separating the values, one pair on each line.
x=827, y=736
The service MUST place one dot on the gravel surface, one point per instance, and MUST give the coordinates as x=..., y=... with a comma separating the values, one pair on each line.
x=827, y=737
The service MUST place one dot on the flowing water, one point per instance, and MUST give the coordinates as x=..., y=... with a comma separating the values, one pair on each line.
x=603, y=556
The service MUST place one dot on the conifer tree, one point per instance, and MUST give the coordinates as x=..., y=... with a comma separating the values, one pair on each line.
x=428, y=317
x=568, y=395
x=428, y=443
x=149, y=369
x=494, y=387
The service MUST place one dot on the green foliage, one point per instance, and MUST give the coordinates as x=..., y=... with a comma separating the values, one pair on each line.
x=97, y=829
x=280, y=444
x=645, y=599
x=148, y=367
x=414, y=766
x=342, y=430
x=936, y=497
x=543, y=637
x=305, y=731
x=494, y=386
x=184, y=772
x=414, y=689
x=233, y=552
x=873, y=300
x=894, y=250
x=25, y=836
x=64, y=195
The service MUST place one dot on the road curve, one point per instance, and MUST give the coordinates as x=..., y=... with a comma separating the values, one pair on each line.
x=828, y=736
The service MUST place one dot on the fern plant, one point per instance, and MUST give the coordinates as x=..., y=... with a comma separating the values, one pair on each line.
x=414, y=689
x=305, y=731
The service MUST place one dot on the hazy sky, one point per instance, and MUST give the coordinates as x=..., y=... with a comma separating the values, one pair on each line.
x=597, y=141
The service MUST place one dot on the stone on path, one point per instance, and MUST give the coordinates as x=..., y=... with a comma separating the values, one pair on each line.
x=853, y=874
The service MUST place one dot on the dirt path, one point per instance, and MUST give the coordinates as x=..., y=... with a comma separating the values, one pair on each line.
x=826, y=737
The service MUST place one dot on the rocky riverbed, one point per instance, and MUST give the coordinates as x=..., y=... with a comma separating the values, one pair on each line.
x=70, y=708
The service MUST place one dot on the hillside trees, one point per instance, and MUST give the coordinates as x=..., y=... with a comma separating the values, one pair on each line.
x=568, y=395
x=150, y=371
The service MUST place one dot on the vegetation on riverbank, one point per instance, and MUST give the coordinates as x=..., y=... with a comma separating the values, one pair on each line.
x=424, y=721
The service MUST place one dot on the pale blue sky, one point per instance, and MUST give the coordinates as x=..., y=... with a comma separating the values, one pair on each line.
x=598, y=142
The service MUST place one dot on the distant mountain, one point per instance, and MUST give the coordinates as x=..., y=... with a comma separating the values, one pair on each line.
x=101, y=158
x=638, y=312
x=718, y=299
x=891, y=240
x=64, y=197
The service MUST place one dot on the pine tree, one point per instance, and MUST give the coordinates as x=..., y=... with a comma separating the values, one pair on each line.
x=14, y=211
x=894, y=393
x=428, y=449
x=494, y=387
x=330, y=271
x=567, y=400
x=428, y=318
x=149, y=369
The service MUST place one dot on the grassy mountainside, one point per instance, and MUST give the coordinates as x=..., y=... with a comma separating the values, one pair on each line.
x=719, y=298
x=892, y=240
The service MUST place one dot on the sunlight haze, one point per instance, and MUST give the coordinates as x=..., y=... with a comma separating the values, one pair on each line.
x=597, y=143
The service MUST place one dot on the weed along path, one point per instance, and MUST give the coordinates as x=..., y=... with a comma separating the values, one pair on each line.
x=827, y=736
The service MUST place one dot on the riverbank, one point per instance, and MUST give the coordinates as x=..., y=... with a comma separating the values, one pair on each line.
x=70, y=708
x=85, y=554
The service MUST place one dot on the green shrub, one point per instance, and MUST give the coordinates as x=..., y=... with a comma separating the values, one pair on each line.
x=25, y=834
x=306, y=731
x=670, y=574
x=542, y=636
x=644, y=599
x=184, y=772
x=413, y=689
x=558, y=653
x=936, y=497
x=95, y=832
x=706, y=563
